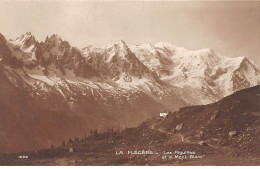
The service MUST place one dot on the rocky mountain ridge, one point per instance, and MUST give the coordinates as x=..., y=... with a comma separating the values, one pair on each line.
x=116, y=85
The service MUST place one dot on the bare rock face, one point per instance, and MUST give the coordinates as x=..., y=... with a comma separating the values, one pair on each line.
x=202, y=133
x=202, y=143
x=179, y=127
x=214, y=116
x=232, y=133
x=71, y=150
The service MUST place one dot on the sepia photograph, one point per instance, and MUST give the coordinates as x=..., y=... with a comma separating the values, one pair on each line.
x=129, y=83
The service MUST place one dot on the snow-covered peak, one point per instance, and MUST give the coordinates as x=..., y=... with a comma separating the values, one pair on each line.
x=146, y=46
x=25, y=42
x=119, y=49
x=118, y=45
x=116, y=52
x=86, y=51
x=144, y=50
x=27, y=36
x=169, y=46
x=163, y=44
x=176, y=65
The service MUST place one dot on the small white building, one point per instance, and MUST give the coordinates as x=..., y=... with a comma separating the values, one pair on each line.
x=164, y=115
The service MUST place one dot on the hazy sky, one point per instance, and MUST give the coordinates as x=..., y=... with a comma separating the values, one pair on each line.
x=231, y=28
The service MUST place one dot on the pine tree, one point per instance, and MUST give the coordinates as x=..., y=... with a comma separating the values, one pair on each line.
x=63, y=144
x=70, y=141
x=95, y=133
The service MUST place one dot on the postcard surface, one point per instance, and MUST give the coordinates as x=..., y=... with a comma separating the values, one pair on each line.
x=120, y=83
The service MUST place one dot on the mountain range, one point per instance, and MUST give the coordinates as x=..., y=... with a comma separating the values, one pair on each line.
x=50, y=90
